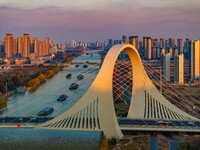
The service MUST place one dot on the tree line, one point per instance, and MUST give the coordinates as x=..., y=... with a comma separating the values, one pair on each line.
x=34, y=83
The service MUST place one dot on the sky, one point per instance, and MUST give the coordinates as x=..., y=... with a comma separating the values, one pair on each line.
x=99, y=20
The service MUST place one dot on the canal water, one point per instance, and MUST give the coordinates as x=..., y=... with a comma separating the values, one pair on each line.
x=36, y=139
x=29, y=104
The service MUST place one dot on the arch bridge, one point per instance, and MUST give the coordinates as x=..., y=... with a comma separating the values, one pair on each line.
x=95, y=110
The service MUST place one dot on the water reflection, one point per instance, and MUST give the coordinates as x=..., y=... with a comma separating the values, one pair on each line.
x=35, y=139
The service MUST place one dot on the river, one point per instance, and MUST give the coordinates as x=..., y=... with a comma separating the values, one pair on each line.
x=29, y=104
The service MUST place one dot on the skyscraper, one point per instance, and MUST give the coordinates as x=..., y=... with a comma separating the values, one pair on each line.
x=179, y=69
x=26, y=45
x=170, y=50
x=8, y=45
x=124, y=39
x=155, y=43
x=180, y=45
x=186, y=47
x=14, y=47
x=40, y=49
x=163, y=43
x=172, y=42
x=20, y=45
x=110, y=43
x=47, y=42
x=134, y=41
x=166, y=66
x=194, y=58
x=117, y=42
x=43, y=48
x=154, y=53
x=36, y=46
x=147, y=46
x=73, y=43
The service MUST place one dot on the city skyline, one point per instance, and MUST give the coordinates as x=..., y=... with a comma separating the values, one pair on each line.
x=100, y=20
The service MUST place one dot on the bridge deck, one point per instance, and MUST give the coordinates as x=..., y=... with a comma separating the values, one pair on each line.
x=125, y=124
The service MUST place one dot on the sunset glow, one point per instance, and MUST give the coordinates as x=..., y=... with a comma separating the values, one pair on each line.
x=100, y=19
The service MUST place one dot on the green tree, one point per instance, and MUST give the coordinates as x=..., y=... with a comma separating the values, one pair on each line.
x=56, y=69
x=104, y=143
x=16, y=80
x=113, y=141
x=31, y=83
x=36, y=81
x=3, y=100
x=41, y=77
x=22, y=74
x=11, y=85
x=2, y=86
x=49, y=74
x=187, y=146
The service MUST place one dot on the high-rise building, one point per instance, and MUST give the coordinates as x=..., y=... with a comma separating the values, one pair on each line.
x=32, y=47
x=162, y=51
x=35, y=46
x=26, y=45
x=175, y=52
x=47, y=42
x=179, y=69
x=154, y=53
x=155, y=43
x=172, y=42
x=158, y=52
x=20, y=45
x=194, y=59
x=73, y=43
x=1, y=47
x=166, y=66
x=124, y=39
x=163, y=43
x=117, y=42
x=14, y=47
x=170, y=50
x=180, y=45
x=110, y=43
x=147, y=46
x=134, y=41
x=43, y=48
x=40, y=48
x=186, y=46
x=8, y=45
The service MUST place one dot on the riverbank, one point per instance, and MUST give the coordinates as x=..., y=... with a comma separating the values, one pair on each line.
x=130, y=142
x=34, y=83
x=14, y=78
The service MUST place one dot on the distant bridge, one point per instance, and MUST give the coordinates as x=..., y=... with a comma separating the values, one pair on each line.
x=90, y=63
x=92, y=51
x=6, y=67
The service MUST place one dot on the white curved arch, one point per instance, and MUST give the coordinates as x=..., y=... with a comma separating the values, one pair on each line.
x=95, y=110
